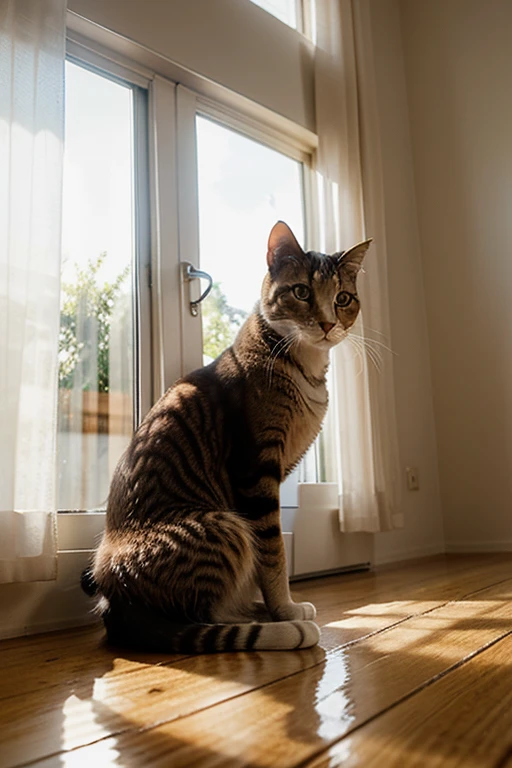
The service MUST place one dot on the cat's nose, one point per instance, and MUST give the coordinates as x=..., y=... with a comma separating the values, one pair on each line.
x=326, y=327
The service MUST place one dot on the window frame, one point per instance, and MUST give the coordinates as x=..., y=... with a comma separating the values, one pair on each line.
x=139, y=85
x=94, y=61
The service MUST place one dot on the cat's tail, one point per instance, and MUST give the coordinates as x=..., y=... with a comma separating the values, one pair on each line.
x=139, y=628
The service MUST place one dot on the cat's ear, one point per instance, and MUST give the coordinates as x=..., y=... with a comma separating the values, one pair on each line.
x=352, y=260
x=281, y=242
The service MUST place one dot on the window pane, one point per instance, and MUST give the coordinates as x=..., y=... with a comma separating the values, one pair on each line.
x=284, y=10
x=244, y=188
x=95, y=416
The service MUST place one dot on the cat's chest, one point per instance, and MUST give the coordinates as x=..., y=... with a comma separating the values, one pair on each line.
x=305, y=423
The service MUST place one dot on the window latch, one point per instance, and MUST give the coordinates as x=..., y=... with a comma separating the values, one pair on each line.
x=189, y=272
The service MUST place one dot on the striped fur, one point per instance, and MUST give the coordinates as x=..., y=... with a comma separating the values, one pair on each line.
x=193, y=534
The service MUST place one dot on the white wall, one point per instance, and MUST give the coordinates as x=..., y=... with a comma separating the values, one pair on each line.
x=458, y=62
x=423, y=531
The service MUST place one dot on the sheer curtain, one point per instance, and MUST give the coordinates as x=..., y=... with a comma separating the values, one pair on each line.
x=361, y=428
x=32, y=49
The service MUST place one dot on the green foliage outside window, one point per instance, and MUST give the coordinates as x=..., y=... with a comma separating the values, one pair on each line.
x=86, y=311
x=221, y=322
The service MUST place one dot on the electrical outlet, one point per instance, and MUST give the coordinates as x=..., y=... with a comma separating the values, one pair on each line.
x=413, y=478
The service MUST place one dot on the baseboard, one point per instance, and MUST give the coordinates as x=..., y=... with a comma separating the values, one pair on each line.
x=44, y=606
x=479, y=546
x=42, y=627
x=396, y=556
x=453, y=547
x=357, y=568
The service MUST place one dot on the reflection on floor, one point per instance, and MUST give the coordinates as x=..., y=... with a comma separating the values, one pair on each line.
x=414, y=669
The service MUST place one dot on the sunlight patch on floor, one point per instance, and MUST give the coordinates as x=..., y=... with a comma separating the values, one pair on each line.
x=371, y=616
x=80, y=723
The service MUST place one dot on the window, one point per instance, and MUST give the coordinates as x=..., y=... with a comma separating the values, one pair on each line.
x=97, y=360
x=288, y=11
x=244, y=188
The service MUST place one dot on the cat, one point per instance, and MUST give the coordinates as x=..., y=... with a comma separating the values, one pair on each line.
x=193, y=519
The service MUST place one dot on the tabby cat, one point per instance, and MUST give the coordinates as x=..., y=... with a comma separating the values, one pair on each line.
x=193, y=523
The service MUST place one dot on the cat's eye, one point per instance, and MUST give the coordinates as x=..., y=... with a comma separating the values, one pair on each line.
x=343, y=298
x=301, y=291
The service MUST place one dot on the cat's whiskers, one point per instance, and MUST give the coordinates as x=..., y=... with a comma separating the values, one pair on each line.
x=282, y=346
x=377, y=347
x=365, y=349
x=374, y=354
x=376, y=342
x=359, y=353
x=366, y=329
x=368, y=353
x=276, y=349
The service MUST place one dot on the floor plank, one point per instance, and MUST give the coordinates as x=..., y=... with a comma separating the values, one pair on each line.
x=61, y=659
x=67, y=700
x=463, y=720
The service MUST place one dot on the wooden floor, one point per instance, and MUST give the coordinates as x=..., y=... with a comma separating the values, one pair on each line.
x=414, y=669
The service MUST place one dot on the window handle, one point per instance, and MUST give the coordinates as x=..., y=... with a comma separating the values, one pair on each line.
x=189, y=272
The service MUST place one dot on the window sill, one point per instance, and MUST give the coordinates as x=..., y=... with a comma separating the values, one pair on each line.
x=80, y=531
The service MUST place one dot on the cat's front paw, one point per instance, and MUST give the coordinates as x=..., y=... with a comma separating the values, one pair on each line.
x=308, y=610
x=296, y=611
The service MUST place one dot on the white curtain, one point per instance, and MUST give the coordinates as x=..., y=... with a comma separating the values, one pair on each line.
x=32, y=49
x=361, y=431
